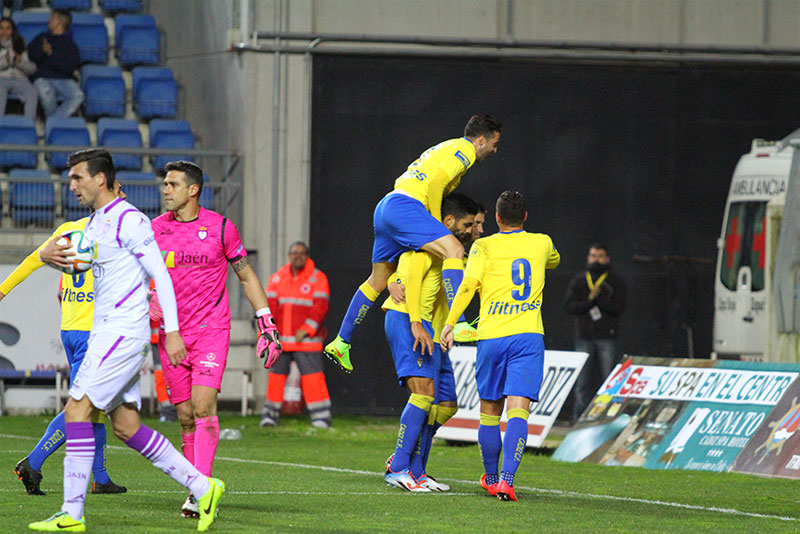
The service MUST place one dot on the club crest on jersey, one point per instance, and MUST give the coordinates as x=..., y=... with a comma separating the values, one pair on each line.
x=202, y=233
x=305, y=289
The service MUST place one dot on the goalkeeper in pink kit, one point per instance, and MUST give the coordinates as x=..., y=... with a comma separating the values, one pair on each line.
x=197, y=245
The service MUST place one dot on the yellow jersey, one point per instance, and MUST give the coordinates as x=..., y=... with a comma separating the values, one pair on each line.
x=509, y=268
x=437, y=172
x=77, y=291
x=419, y=296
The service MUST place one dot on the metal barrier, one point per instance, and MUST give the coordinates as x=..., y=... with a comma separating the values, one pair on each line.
x=32, y=203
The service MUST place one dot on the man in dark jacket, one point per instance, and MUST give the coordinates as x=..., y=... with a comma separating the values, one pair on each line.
x=56, y=56
x=596, y=297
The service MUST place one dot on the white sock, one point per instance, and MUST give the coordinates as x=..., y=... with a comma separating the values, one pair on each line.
x=77, y=467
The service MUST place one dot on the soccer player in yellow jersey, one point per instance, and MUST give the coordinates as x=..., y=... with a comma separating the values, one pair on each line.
x=509, y=268
x=77, y=310
x=409, y=218
x=408, y=326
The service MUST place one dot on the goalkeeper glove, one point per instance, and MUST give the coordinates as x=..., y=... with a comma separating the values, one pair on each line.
x=269, y=342
x=155, y=307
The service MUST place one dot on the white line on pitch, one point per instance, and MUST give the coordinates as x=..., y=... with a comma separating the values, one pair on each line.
x=551, y=492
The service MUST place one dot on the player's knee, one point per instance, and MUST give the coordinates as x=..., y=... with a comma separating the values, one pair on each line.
x=422, y=386
x=204, y=409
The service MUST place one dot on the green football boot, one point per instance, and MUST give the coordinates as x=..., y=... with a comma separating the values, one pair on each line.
x=338, y=350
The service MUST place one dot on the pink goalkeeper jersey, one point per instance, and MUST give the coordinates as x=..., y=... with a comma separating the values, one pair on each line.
x=197, y=254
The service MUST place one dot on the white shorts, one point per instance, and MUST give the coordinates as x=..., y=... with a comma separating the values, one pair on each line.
x=109, y=373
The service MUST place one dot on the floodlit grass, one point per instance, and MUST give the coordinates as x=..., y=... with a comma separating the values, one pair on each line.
x=297, y=479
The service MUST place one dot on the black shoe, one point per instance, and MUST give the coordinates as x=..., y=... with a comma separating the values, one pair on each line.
x=29, y=477
x=107, y=488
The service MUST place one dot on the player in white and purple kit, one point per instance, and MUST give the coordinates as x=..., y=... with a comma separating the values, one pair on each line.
x=125, y=257
x=197, y=245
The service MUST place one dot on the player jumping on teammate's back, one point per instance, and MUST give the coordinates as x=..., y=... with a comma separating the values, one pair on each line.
x=409, y=218
x=509, y=267
x=424, y=370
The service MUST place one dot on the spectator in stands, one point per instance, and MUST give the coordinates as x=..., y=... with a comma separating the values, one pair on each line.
x=57, y=56
x=15, y=67
x=298, y=296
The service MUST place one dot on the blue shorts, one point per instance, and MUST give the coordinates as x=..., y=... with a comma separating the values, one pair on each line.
x=446, y=380
x=402, y=223
x=75, y=343
x=511, y=365
x=407, y=362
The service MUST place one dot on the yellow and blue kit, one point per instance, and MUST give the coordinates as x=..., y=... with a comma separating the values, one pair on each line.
x=510, y=269
x=77, y=298
x=421, y=298
x=410, y=216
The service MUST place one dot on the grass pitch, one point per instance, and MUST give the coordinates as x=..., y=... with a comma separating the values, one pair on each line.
x=297, y=479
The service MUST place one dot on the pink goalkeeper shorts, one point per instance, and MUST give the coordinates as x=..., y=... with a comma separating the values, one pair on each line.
x=206, y=357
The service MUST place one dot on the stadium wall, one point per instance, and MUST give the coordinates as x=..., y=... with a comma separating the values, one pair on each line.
x=638, y=156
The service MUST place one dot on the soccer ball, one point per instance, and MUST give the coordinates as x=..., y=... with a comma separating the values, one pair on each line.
x=81, y=248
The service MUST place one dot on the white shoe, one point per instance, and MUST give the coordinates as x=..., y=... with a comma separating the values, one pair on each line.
x=427, y=481
x=320, y=423
x=190, y=508
x=404, y=480
x=268, y=421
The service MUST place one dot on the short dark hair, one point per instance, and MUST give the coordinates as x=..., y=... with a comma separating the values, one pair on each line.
x=599, y=246
x=458, y=205
x=97, y=160
x=193, y=173
x=479, y=125
x=302, y=244
x=511, y=208
x=481, y=208
x=66, y=18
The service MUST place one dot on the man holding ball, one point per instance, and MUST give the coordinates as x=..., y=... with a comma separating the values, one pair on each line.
x=76, y=293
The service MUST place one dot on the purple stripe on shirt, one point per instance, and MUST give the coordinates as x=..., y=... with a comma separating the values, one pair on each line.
x=126, y=297
x=114, y=203
x=119, y=223
x=114, y=346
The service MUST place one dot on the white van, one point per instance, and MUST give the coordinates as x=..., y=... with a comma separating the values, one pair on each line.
x=750, y=226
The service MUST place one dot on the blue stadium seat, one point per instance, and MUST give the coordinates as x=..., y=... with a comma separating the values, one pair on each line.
x=155, y=92
x=71, y=209
x=90, y=34
x=104, y=89
x=17, y=130
x=71, y=5
x=30, y=23
x=137, y=40
x=31, y=201
x=207, y=197
x=145, y=196
x=66, y=131
x=170, y=134
x=120, y=133
x=114, y=6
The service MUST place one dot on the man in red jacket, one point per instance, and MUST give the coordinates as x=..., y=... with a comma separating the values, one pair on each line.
x=298, y=296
